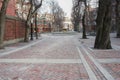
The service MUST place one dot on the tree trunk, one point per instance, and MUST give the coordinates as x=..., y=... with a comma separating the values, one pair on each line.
x=27, y=31
x=36, y=27
x=84, y=21
x=118, y=17
x=33, y=9
x=103, y=25
x=2, y=21
x=28, y=24
x=84, y=28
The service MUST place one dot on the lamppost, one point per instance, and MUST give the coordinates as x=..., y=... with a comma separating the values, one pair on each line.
x=31, y=29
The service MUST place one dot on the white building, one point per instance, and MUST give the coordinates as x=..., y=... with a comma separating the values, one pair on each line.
x=68, y=26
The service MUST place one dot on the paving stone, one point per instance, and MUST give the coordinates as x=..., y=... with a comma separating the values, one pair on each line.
x=60, y=48
x=43, y=71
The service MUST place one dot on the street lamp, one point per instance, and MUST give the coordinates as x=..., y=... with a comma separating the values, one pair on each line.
x=32, y=29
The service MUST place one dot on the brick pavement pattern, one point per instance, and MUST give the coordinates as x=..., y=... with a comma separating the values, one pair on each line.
x=60, y=57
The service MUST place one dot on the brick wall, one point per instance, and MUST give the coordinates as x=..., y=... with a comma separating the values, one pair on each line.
x=11, y=7
x=14, y=29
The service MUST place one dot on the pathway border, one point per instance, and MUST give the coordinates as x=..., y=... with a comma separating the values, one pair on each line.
x=42, y=61
x=87, y=67
x=18, y=49
x=103, y=70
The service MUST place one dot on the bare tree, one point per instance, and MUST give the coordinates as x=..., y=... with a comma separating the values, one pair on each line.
x=34, y=6
x=118, y=17
x=21, y=9
x=36, y=27
x=58, y=14
x=84, y=20
x=76, y=15
x=2, y=21
x=27, y=13
x=103, y=25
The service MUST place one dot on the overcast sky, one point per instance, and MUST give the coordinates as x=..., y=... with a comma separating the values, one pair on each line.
x=66, y=5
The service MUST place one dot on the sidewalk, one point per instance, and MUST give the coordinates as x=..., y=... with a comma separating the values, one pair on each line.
x=107, y=62
x=54, y=58
x=18, y=46
x=61, y=57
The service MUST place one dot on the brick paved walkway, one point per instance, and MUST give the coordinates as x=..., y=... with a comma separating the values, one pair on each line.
x=60, y=57
x=108, y=59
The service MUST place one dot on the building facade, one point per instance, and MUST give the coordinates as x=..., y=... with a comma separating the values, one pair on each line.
x=45, y=22
x=68, y=26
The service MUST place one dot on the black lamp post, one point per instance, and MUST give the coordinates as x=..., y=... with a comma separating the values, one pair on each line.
x=31, y=38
